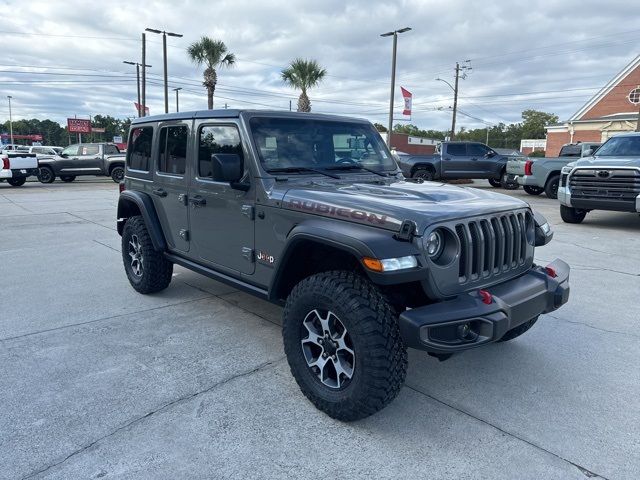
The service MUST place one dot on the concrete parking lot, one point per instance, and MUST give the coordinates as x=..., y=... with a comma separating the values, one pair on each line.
x=97, y=381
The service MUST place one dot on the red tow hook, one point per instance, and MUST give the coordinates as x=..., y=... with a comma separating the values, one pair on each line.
x=551, y=272
x=485, y=296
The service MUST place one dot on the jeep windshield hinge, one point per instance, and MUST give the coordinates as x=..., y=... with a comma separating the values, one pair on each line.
x=248, y=211
x=407, y=231
x=247, y=253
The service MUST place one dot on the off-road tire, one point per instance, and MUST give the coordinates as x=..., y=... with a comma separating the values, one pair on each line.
x=46, y=175
x=380, y=354
x=495, y=183
x=506, y=184
x=424, y=174
x=572, y=215
x=551, y=187
x=117, y=174
x=16, y=182
x=531, y=190
x=67, y=178
x=157, y=270
x=519, y=330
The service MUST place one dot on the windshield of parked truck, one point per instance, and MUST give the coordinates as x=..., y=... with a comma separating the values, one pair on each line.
x=620, y=147
x=290, y=143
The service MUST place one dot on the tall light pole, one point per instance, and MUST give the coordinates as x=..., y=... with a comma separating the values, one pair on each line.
x=177, y=100
x=459, y=68
x=137, y=82
x=10, y=120
x=393, y=75
x=164, y=56
x=143, y=106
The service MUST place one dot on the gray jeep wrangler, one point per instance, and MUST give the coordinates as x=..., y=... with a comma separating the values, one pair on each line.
x=311, y=212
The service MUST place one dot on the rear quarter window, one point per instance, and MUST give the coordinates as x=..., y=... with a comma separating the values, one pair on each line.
x=139, y=150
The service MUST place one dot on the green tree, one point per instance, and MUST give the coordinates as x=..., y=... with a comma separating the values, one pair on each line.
x=303, y=74
x=213, y=54
x=534, y=121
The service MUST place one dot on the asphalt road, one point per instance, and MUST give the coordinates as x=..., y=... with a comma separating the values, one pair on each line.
x=97, y=381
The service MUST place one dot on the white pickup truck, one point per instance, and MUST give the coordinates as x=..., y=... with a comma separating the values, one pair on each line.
x=16, y=166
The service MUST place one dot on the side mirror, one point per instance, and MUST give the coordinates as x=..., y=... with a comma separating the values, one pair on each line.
x=226, y=167
x=64, y=155
x=490, y=154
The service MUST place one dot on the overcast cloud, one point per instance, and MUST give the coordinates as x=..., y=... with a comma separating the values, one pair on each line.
x=565, y=50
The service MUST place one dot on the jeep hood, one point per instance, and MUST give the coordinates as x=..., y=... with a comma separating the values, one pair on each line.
x=387, y=206
x=608, y=162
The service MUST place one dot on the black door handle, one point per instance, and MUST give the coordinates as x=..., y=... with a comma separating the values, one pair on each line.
x=159, y=192
x=198, y=201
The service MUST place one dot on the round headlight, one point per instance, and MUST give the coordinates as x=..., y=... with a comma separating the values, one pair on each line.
x=434, y=244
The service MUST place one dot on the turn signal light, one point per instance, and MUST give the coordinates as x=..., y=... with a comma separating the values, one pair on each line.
x=373, y=264
x=527, y=167
x=551, y=272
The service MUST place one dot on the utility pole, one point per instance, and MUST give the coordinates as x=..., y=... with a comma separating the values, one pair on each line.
x=393, y=75
x=177, y=89
x=164, y=60
x=138, y=82
x=10, y=120
x=455, y=103
x=143, y=107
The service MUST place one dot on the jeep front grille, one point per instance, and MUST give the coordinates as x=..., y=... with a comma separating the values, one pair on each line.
x=602, y=183
x=492, y=246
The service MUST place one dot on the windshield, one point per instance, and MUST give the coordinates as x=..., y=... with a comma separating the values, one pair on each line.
x=292, y=143
x=620, y=147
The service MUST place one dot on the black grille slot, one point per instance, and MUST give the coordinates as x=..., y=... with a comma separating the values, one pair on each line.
x=489, y=247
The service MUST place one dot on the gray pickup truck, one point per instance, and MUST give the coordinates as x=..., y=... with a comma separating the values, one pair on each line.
x=538, y=175
x=101, y=159
x=290, y=208
x=608, y=180
x=458, y=160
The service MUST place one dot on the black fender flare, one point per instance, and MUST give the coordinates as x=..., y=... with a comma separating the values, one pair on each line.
x=144, y=204
x=357, y=240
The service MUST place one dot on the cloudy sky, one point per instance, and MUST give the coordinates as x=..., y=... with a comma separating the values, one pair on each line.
x=64, y=58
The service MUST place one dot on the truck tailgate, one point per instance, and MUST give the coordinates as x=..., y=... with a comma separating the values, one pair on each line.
x=515, y=166
x=20, y=161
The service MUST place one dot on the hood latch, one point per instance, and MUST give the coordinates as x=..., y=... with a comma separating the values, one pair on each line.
x=407, y=231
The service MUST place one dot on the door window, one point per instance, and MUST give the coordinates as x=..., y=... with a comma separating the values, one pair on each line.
x=477, y=150
x=457, y=149
x=71, y=150
x=111, y=150
x=173, y=150
x=140, y=152
x=89, y=150
x=216, y=139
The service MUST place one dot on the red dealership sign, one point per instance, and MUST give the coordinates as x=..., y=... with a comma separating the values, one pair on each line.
x=78, y=125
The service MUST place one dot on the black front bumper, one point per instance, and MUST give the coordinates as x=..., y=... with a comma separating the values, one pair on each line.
x=468, y=322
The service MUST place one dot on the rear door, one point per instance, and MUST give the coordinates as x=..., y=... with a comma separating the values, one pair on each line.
x=455, y=160
x=169, y=191
x=221, y=218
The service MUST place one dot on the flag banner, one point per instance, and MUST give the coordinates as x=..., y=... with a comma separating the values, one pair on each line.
x=139, y=109
x=406, y=94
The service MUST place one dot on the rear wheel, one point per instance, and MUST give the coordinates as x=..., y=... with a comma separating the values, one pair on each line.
x=16, y=182
x=495, y=182
x=147, y=269
x=519, y=330
x=572, y=215
x=117, y=174
x=67, y=178
x=551, y=188
x=531, y=190
x=343, y=344
x=46, y=175
x=423, y=174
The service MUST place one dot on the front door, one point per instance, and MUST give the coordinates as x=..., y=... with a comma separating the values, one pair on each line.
x=483, y=158
x=87, y=161
x=169, y=190
x=221, y=217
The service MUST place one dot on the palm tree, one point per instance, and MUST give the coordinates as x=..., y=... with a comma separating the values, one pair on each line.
x=213, y=54
x=303, y=74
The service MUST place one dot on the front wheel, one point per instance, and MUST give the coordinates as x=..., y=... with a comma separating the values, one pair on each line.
x=67, y=178
x=147, y=269
x=117, y=174
x=16, y=182
x=495, y=183
x=343, y=344
x=551, y=188
x=423, y=174
x=46, y=175
x=531, y=190
x=572, y=215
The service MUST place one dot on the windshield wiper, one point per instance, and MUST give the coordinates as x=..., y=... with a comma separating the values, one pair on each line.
x=352, y=165
x=302, y=169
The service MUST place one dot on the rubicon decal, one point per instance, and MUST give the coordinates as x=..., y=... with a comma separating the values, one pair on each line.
x=340, y=212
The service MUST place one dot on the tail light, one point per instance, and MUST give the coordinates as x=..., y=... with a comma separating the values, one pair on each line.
x=5, y=163
x=121, y=187
x=527, y=167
